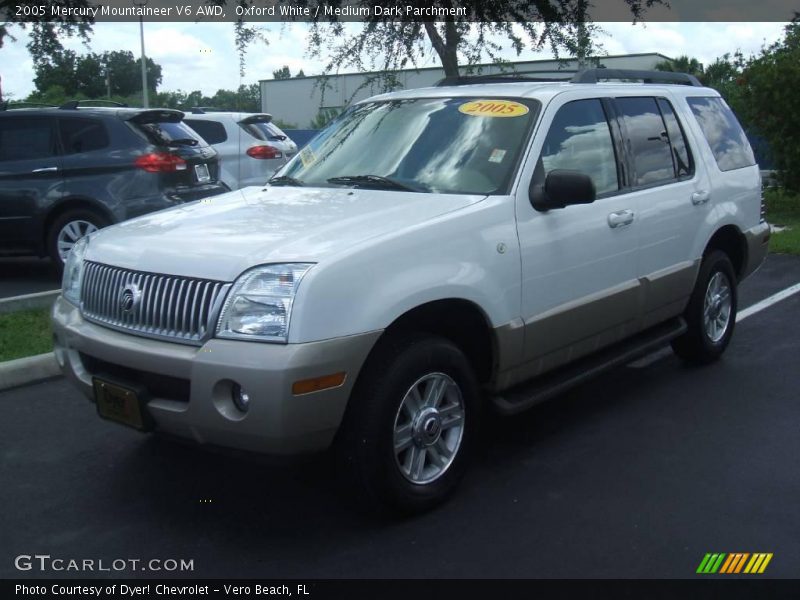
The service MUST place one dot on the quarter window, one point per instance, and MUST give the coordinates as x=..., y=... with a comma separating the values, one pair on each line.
x=647, y=140
x=580, y=140
x=212, y=132
x=82, y=135
x=724, y=134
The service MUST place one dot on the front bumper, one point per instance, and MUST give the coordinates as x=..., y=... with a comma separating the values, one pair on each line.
x=277, y=421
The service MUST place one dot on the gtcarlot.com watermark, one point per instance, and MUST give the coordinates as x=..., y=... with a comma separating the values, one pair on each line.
x=44, y=563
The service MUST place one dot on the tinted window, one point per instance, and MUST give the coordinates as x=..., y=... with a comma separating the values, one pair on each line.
x=647, y=140
x=82, y=135
x=164, y=133
x=723, y=132
x=211, y=131
x=580, y=140
x=26, y=139
x=681, y=157
x=264, y=131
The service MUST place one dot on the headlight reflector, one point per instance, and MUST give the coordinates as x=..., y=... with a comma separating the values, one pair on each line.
x=73, y=272
x=259, y=305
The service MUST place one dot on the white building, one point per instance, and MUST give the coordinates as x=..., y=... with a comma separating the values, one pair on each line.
x=299, y=101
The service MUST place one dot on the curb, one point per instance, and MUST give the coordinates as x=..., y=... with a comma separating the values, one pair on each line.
x=28, y=301
x=22, y=371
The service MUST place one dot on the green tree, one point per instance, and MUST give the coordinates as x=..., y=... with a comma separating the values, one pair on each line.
x=682, y=64
x=45, y=37
x=86, y=74
x=387, y=44
x=282, y=73
x=768, y=101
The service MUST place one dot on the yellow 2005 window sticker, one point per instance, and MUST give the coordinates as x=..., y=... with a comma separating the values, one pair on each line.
x=493, y=108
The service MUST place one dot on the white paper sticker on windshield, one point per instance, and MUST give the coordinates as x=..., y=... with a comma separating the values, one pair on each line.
x=307, y=157
x=497, y=155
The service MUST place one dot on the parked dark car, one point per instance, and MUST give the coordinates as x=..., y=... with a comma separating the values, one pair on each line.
x=67, y=171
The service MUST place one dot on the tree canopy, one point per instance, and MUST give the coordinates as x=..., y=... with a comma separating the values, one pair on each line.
x=45, y=37
x=86, y=75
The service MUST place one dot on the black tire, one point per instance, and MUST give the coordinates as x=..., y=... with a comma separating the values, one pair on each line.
x=364, y=448
x=64, y=219
x=697, y=346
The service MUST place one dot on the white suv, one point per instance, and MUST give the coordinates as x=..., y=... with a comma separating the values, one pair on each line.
x=432, y=253
x=250, y=146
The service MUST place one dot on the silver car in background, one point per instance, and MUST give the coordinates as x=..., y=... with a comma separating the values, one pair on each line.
x=250, y=146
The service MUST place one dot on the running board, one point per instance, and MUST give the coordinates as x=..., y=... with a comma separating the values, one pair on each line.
x=523, y=396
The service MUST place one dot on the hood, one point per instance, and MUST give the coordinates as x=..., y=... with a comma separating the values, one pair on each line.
x=220, y=237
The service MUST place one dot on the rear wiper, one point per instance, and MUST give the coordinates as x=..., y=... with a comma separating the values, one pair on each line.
x=375, y=181
x=285, y=180
x=276, y=138
x=183, y=142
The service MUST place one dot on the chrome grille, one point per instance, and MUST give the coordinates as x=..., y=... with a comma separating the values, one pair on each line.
x=180, y=309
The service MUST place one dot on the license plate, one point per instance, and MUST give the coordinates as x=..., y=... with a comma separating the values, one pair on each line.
x=118, y=403
x=201, y=172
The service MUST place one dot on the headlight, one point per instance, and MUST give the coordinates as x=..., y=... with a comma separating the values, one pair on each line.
x=259, y=305
x=73, y=272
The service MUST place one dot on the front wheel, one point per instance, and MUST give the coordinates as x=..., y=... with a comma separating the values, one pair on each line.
x=410, y=425
x=711, y=312
x=67, y=229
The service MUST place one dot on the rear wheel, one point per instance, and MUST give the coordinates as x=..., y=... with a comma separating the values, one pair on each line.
x=67, y=229
x=711, y=313
x=410, y=424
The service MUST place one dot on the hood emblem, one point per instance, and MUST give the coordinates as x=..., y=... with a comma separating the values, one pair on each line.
x=129, y=298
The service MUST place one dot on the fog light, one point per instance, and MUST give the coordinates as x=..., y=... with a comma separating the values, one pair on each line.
x=241, y=399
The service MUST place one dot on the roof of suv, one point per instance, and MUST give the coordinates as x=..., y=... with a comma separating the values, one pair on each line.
x=525, y=86
x=95, y=111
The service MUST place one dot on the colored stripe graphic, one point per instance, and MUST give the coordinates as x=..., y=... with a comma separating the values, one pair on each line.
x=734, y=562
x=711, y=563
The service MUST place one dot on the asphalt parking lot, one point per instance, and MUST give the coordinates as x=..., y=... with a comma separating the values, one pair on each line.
x=27, y=275
x=637, y=474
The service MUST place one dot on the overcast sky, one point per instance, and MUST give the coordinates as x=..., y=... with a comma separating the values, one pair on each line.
x=202, y=56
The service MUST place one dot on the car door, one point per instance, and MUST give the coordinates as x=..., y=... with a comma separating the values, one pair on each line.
x=30, y=179
x=672, y=196
x=579, y=266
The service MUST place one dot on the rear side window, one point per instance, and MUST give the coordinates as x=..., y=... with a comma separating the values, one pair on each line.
x=264, y=131
x=647, y=141
x=580, y=140
x=82, y=135
x=165, y=133
x=724, y=134
x=26, y=139
x=211, y=131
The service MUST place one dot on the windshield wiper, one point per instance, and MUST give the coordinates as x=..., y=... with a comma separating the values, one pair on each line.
x=375, y=181
x=183, y=142
x=285, y=180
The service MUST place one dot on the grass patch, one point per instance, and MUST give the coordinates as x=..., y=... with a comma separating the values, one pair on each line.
x=25, y=333
x=783, y=210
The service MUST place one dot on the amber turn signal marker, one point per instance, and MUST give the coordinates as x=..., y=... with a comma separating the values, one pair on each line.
x=306, y=386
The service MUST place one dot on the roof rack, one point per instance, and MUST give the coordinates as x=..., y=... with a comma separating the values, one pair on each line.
x=8, y=105
x=508, y=77
x=73, y=104
x=596, y=75
x=572, y=76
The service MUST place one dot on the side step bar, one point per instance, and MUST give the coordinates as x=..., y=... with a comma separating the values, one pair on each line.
x=523, y=396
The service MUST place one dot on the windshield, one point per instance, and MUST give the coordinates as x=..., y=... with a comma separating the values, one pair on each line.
x=446, y=145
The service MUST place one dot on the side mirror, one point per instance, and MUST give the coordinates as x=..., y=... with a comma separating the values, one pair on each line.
x=562, y=188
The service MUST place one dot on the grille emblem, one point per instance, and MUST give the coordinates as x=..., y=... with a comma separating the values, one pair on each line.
x=129, y=298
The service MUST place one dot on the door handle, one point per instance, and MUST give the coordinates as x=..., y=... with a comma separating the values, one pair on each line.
x=46, y=170
x=700, y=197
x=620, y=219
